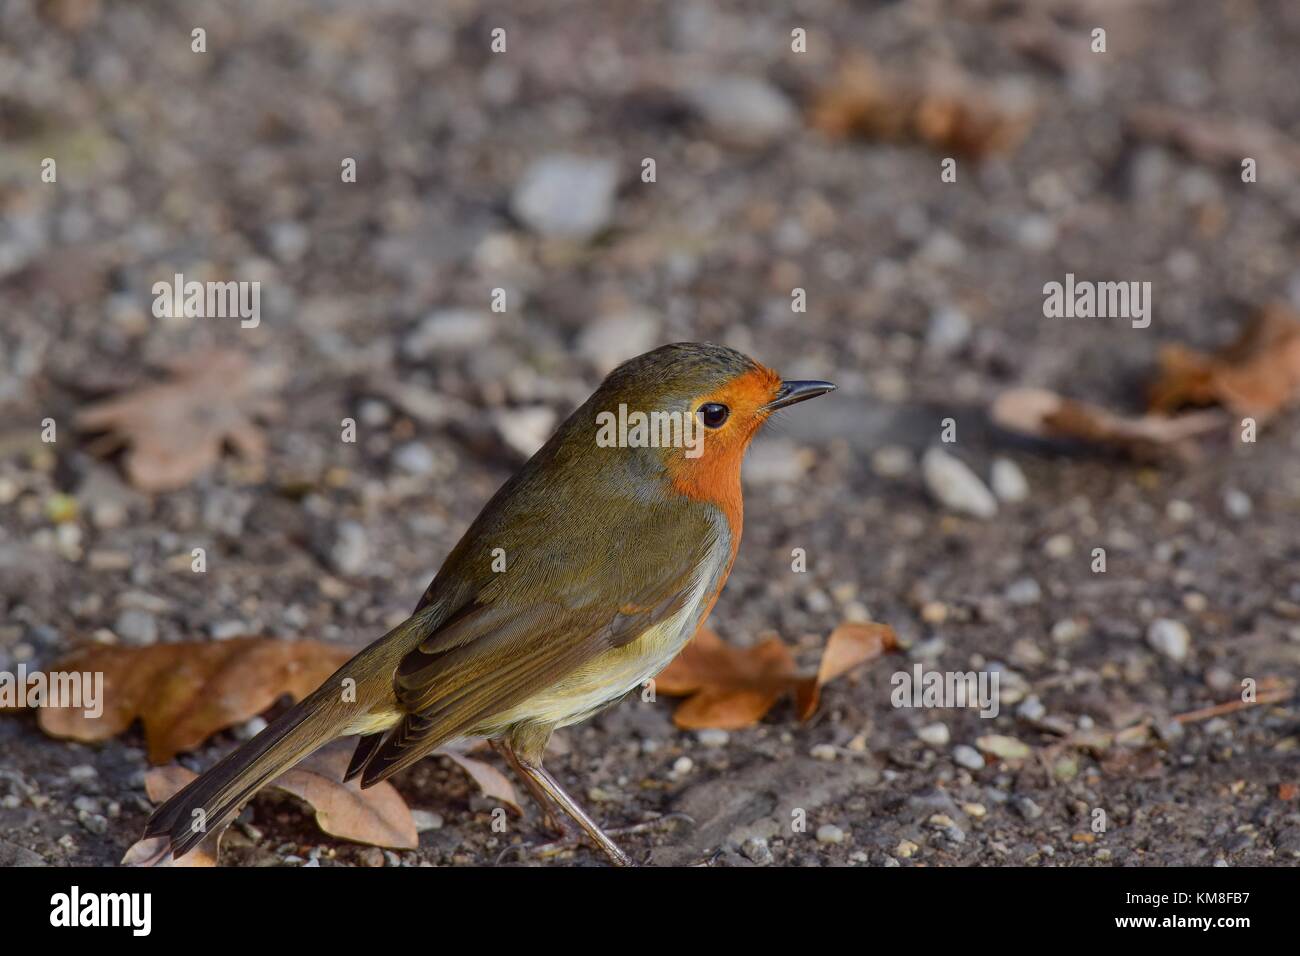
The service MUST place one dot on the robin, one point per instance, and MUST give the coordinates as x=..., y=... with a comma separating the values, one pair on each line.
x=586, y=573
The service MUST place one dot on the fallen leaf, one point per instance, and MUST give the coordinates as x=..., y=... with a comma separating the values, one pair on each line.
x=186, y=692
x=176, y=430
x=1043, y=414
x=377, y=815
x=729, y=687
x=1257, y=375
x=947, y=110
x=161, y=784
x=849, y=645
x=1219, y=140
x=492, y=782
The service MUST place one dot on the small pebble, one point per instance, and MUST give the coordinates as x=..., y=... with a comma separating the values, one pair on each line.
x=1170, y=638
x=712, y=737
x=414, y=458
x=955, y=486
x=82, y=773
x=224, y=630
x=1002, y=746
x=967, y=756
x=1058, y=546
x=1009, y=482
x=934, y=612
x=448, y=330
x=350, y=552
x=949, y=330
x=1068, y=630
x=565, y=196
x=1237, y=504
x=829, y=833
x=1027, y=808
x=1031, y=708
x=824, y=752
x=892, y=461
x=936, y=734
x=1024, y=592
x=743, y=110
x=756, y=851
x=136, y=626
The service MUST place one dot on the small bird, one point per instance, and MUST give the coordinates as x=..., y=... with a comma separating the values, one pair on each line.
x=586, y=573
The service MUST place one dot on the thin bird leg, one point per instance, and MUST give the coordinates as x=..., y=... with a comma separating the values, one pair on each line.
x=548, y=792
x=566, y=803
x=557, y=822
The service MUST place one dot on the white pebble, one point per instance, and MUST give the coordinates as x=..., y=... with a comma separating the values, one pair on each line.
x=829, y=833
x=1170, y=638
x=955, y=486
x=1009, y=482
x=936, y=734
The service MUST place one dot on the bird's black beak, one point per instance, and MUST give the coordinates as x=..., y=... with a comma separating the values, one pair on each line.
x=792, y=393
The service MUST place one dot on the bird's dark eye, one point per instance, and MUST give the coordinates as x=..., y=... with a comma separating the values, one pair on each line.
x=714, y=414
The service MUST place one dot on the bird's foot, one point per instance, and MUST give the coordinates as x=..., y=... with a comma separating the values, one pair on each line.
x=571, y=838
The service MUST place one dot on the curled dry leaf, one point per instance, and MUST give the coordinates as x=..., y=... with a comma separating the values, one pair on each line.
x=186, y=692
x=849, y=645
x=176, y=430
x=1043, y=414
x=161, y=784
x=729, y=687
x=947, y=110
x=377, y=815
x=726, y=686
x=492, y=782
x=1257, y=375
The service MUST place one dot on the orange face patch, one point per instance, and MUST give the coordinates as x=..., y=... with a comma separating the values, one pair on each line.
x=715, y=475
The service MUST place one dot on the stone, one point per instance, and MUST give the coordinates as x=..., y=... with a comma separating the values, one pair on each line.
x=566, y=196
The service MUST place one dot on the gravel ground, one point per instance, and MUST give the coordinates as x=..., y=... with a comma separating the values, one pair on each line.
x=924, y=302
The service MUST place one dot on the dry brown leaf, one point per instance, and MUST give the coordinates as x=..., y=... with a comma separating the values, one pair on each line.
x=946, y=110
x=1220, y=141
x=188, y=691
x=729, y=687
x=176, y=430
x=161, y=784
x=491, y=781
x=377, y=815
x=849, y=645
x=1043, y=414
x=1257, y=375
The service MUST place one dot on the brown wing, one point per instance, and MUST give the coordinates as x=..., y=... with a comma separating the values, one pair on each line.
x=487, y=658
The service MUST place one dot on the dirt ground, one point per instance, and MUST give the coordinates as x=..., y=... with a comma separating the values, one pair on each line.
x=924, y=302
